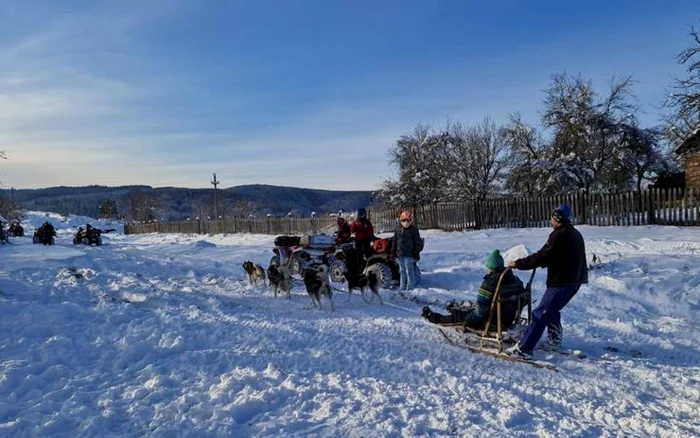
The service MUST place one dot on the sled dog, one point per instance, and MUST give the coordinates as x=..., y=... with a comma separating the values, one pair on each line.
x=317, y=285
x=254, y=272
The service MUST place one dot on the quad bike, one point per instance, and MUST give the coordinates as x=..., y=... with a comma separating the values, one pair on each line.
x=336, y=261
x=92, y=238
x=42, y=236
x=15, y=230
x=382, y=263
x=300, y=252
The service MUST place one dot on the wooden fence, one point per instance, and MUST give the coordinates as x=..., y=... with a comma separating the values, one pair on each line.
x=269, y=225
x=653, y=206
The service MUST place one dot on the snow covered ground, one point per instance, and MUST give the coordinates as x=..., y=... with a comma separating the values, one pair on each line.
x=160, y=335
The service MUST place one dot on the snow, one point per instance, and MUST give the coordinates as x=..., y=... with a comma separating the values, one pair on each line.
x=160, y=335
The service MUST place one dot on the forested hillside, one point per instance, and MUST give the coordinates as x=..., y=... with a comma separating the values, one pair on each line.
x=173, y=203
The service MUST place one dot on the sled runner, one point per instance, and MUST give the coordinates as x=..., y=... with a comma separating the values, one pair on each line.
x=492, y=352
x=493, y=339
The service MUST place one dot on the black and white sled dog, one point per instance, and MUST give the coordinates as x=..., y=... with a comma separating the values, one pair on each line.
x=280, y=280
x=254, y=272
x=274, y=277
x=317, y=285
x=360, y=280
x=286, y=283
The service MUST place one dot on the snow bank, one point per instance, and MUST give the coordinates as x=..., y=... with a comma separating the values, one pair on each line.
x=162, y=336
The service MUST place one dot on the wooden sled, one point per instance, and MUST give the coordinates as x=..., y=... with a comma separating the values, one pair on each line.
x=494, y=337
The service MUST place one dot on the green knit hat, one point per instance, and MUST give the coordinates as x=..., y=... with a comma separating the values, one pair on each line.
x=494, y=260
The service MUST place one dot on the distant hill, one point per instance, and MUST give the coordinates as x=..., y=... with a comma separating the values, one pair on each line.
x=174, y=203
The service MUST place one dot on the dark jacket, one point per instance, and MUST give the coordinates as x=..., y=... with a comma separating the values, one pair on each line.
x=510, y=286
x=476, y=316
x=363, y=229
x=343, y=233
x=564, y=256
x=406, y=242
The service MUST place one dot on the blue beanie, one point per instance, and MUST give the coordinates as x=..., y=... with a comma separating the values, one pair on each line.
x=562, y=214
x=494, y=260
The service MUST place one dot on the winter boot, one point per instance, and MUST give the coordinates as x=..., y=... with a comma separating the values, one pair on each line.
x=554, y=336
x=517, y=353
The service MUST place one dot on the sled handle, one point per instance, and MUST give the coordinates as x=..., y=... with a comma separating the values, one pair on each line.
x=528, y=287
x=495, y=303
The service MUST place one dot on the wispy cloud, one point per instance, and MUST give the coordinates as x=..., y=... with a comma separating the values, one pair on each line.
x=102, y=96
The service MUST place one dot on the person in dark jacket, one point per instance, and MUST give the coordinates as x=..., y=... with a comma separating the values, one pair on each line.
x=475, y=316
x=48, y=233
x=564, y=256
x=406, y=246
x=343, y=233
x=364, y=233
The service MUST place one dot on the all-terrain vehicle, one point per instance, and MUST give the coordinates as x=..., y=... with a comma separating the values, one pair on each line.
x=336, y=261
x=15, y=230
x=301, y=252
x=381, y=262
x=90, y=236
x=45, y=234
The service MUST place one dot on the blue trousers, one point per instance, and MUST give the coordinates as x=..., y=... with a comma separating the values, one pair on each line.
x=547, y=315
x=407, y=271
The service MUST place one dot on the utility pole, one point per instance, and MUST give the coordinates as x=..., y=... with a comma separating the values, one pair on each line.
x=216, y=205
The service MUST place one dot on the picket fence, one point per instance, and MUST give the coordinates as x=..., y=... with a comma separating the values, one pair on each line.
x=646, y=207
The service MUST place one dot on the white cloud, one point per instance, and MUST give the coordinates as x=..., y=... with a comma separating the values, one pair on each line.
x=75, y=109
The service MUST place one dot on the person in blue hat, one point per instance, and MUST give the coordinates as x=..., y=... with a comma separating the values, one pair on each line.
x=564, y=256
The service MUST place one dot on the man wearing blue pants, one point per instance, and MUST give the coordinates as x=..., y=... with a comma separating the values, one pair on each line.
x=564, y=256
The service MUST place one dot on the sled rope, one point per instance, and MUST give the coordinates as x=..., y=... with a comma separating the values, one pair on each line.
x=405, y=309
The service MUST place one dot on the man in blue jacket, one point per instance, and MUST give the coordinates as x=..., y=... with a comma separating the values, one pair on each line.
x=564, y=256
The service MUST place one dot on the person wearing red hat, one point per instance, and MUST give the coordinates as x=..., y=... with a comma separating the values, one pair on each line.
x=406, y=247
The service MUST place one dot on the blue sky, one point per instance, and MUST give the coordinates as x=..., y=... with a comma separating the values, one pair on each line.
x=291, y=92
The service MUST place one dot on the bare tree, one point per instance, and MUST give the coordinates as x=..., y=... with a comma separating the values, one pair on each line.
x=143, y=207
x=684, y=97
x=108, y=209
x=530, y=169
x=419, y=158
x=477, y=159
x=643, y=154
x=9, y=208
x=241, y=208
x=586, y=128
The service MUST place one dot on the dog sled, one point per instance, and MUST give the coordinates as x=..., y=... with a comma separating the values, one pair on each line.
x=494, y=338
